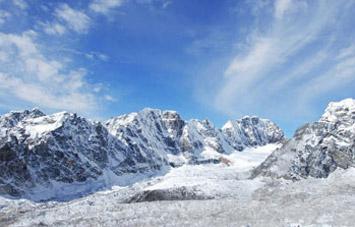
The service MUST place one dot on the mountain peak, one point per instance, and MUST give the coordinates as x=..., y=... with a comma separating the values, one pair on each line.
x=251, y=131
x=35, y=112
x=343, y=110
x=14, y=117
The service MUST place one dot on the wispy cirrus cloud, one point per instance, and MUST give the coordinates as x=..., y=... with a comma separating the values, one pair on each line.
x=29, y=75
x=340, y=73
x=67, y=19
x=76, y=20
x=104, y=6
x=289, y=60
x=55, y=28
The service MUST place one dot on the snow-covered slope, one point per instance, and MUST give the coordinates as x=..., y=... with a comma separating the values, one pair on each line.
x=223, y=180
x=63, y=155
x=318, y=148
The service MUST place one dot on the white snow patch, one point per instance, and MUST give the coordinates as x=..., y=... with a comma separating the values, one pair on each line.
x=218, y=179
x=36, y=127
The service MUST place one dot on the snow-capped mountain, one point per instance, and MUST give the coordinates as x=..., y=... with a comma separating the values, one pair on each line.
x=318, y=148
x=43, y=155
x=192, y=141
x=251, y=131
x=63, y=155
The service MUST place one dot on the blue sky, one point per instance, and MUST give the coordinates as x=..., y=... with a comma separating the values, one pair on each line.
x=219, y=59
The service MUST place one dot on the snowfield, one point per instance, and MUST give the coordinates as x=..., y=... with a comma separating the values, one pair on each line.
x=218, y=180
x=225, y=197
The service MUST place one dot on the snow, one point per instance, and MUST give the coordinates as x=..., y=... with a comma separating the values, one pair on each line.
x=36, y=127
x=227, y=125
x=211, y=180
x=342, y=110
x=251, y=157
x=208, y=178
x=310, y=202
x=122, y=120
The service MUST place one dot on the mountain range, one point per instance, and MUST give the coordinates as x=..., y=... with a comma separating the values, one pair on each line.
x=63, y=155
x=152, y=167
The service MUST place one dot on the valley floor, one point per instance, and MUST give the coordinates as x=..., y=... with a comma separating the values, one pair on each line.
x=226, y=197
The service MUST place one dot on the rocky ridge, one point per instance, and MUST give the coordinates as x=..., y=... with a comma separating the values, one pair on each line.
x=317, y=148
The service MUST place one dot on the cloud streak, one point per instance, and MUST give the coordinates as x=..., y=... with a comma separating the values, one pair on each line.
x=104, y=6
x=67, y=19
x=290, y=60
x=75, y=19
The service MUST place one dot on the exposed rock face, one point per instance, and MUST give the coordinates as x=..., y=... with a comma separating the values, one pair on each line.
x=251, y=131
x=63, y=155
x=150, y=131
x=317, y=149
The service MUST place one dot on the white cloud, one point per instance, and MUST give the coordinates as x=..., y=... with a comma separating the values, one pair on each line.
x=109, y=98
x=67, y=19
x=27, y=74
x=54, y=28
x=39, y=95
x=76, y=20
x=284, y=59
x=104, y=6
